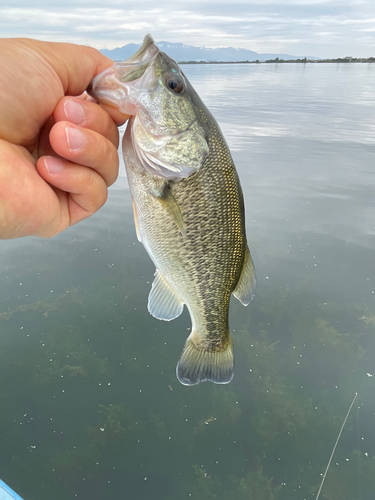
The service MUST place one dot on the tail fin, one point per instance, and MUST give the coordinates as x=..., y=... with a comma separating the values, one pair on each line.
x=201, y=361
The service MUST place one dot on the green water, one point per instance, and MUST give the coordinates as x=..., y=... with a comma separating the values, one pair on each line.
x=90, y=406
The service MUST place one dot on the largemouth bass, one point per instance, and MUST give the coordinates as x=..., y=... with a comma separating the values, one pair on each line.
x=188, y=205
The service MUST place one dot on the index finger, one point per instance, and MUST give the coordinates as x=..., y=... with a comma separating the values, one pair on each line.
x=87, y=114
x=116, y=115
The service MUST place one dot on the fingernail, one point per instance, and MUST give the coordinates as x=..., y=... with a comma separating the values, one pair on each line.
x=53, y=165
x=75, y=138
x=74, y=111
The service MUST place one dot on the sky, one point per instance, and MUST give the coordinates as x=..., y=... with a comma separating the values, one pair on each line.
x=321, y=28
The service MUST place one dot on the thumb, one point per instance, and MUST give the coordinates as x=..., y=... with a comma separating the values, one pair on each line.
x=75, y=65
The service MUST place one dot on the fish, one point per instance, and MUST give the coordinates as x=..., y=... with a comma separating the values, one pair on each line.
x=188, y=205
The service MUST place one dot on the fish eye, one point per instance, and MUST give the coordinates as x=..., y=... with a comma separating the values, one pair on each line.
x=175, y=84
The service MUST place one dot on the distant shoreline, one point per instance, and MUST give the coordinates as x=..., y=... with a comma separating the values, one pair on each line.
x=345, y=60
x=281, y=61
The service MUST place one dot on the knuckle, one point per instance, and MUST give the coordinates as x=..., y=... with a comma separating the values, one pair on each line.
x=109, y=162
x=103, y=196
x=100, y=121
x=95, y=188
x=107, y=125
x=90, y=179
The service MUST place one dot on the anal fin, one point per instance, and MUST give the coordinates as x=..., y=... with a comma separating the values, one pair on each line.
x=163, y=302
x=245, y=289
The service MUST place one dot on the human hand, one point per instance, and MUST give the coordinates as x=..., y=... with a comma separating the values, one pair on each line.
x=58, y=154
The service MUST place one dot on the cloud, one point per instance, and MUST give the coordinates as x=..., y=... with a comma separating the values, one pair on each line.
x=325, y=28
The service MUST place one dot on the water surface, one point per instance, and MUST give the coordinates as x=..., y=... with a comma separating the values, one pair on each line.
x=89, y=403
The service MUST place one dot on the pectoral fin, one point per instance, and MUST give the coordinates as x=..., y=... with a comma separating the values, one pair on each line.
x=163, y=303
x=245, y=288
x=168, y=201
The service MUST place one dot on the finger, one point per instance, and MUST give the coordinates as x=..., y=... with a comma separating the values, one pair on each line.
x=87, y=148
x=75, y=65
x=81, y=190
x=44, y=146
x=88, y=115
x=28, y=205
x=55, y=70
x=116, y=115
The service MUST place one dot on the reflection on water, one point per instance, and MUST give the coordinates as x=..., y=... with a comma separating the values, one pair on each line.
x=89, y=403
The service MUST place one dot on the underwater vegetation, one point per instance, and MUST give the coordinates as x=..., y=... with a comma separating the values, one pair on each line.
x=91, y=407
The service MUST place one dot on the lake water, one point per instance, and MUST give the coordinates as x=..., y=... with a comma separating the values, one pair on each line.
x=90, y=407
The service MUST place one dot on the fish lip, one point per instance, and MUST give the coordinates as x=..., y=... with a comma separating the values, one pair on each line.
x=103, y=87
x=110, y=86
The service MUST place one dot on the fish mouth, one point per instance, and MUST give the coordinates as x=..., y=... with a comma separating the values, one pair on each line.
x=114, y=85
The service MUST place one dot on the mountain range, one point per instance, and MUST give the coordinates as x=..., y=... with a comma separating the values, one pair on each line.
x=181, y=52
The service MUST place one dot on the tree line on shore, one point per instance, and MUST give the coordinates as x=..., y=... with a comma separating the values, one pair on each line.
x=302, y=60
